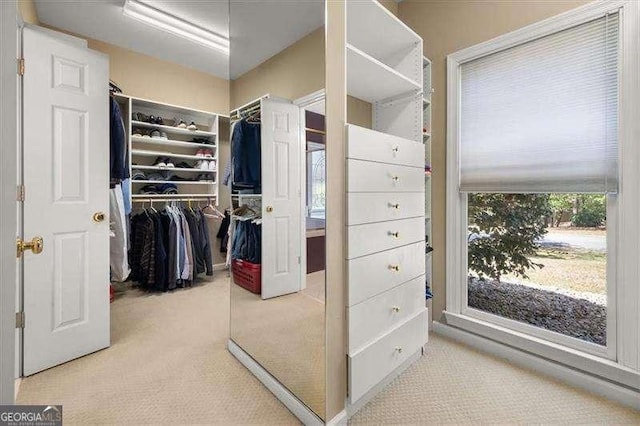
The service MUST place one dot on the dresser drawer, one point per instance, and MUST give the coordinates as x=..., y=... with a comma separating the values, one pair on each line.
x=370, y=145
x=368, y=207
x=367, y=176
x=374, y=317
x=375, y=237
x=375, y=274
x=373, y=363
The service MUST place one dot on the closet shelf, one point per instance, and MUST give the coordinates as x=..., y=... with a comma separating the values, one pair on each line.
x=134, y=196
x=371, y=80
x=171, y=129
x=169, y=142
x=173, y=169
x=365, y=17
x=176, y=182
x=169, y=154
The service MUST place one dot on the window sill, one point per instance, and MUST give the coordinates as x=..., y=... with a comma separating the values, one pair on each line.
x=590, y=364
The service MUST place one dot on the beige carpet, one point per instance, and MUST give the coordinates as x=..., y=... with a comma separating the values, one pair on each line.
x=453, y=384
x=169, y=365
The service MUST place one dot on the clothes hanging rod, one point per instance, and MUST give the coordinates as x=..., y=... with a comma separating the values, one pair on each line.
x=170, y=198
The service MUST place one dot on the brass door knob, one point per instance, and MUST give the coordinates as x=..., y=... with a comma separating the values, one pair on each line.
x=36, y=245
x=395, y=206
x=396, y=309
x=394, y=234
x=399, y=349
x=98, y=217
x=395, y=149
x=269, y=209
x=395, y=268
x=395, y=178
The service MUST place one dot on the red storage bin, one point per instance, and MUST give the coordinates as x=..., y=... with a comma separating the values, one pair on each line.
x=247, y=275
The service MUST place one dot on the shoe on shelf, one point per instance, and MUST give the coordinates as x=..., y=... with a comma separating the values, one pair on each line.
x=207, y=153
x=205, y=177
x=184, y=165
x=137, y=133
x=168, y=162
x=202, y=165
x=200, y=153
x=159, y=120
x=212, y=165
x=155, y=133
x=181, y=125
x=201, y=140
x=192, y=126
x=160, y=162
x=163, y=135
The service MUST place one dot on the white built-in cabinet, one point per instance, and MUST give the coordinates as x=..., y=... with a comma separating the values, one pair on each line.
x=181, y=146
x=387, y=202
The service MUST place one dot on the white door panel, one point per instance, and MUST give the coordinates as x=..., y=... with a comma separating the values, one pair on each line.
x=281, y=208
x=66, y=176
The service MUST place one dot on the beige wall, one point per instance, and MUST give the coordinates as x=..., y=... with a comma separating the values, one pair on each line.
x=295, y=72
x=391, y=5
x=27, y=9
x=446, y=27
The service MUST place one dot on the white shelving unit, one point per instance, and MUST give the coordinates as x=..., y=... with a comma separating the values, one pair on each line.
x=181, y=145
x=386, y=268
x=426, y=129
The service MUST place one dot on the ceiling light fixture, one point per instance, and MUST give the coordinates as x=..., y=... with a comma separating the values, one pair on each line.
x=166, y=22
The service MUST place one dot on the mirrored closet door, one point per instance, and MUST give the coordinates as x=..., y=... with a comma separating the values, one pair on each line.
x=276, y=180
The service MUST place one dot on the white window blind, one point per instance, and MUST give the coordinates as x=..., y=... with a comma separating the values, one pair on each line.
x=543, y=116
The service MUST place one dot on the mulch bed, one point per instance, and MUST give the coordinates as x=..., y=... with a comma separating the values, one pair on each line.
x=570, y=316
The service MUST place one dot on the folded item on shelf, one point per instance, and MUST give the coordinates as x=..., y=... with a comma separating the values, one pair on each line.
x=202, y=140
x=184, y=165
x=138, y=175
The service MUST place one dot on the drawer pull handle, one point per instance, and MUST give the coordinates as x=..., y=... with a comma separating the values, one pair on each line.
x=399, y=349
x=395, y=268
x=395, y=178
x=395, y=149
x=395, y=206
x=396, y=309
x=394, y=234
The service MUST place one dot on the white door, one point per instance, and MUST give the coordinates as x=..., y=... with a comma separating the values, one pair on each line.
x=281, y=206
x=66, y=178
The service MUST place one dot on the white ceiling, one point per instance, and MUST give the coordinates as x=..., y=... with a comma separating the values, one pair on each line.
x=103, y=20
x=259, y=30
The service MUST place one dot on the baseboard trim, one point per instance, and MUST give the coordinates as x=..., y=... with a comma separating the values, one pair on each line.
x=340, y=419
x=356, y=406
x=541, y=365
x=301, y=411
x=16, y=388
x=220, y=267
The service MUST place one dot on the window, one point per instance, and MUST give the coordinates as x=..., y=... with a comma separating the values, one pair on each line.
x=536, y=118
x=316, y=183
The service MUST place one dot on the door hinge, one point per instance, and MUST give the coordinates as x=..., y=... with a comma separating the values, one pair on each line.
x=299, y=260
x=21, y=191
x=20, y=319
x=21, y=66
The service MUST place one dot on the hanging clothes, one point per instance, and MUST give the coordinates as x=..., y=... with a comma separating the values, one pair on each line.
x=246, y=155
x=170, y=248
x=119, y=169
x=118, y=246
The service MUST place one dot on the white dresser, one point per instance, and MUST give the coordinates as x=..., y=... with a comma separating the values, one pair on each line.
x=385, y=255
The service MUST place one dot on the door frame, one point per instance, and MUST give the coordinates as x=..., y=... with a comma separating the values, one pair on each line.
x=302, y=103
x=8, y=180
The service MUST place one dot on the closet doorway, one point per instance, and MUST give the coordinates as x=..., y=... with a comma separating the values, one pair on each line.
x=65, y=212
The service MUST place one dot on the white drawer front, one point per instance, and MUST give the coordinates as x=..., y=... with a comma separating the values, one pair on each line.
x=375, y=274
x=372, y=364
x=370, y=145
x=376, y=316
x=367, y=176
x=375, y=237
x=368, y=207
